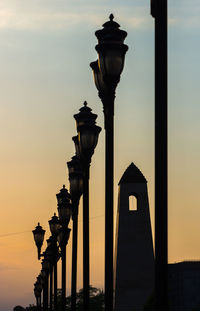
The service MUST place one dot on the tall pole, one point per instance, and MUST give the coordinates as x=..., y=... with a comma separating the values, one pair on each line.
x=42, y=299
x=85, y=144
x=86, y=254
x=55, y=284
x=51, y=290
x=74, y=254
x=111, y=53
x=63, y=297
x=38, y=299
x=40, y=302
x=45, y=294
x=64, y=211
x=159, y=12
x=108, y=104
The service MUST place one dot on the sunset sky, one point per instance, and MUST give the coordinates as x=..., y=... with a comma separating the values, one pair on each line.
x=45, y=50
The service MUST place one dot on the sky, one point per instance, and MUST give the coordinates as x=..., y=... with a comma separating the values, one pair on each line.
x=45, y=50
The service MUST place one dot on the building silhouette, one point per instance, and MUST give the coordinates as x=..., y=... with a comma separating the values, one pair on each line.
x=184, y=286
x=134, y=256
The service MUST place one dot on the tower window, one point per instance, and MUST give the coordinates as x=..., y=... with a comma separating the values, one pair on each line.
x=132, y=203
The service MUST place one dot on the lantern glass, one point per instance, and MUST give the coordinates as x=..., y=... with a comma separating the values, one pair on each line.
x=76, y=144
x=63, y=236
x=64, y=212
x=111, y=62
x=64, y=205
x=49, y=242
x=98, y=77
x=76, y=184
x=88, y=138
x=60, y=236
x=54, y=225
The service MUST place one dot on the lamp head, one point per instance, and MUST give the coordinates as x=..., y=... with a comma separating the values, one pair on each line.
x=38, y=234
x=111, y=50
x=64, y=206
x=54, y=225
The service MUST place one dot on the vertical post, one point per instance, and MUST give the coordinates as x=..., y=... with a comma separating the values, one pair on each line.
x=45, y=294
x=51, y=290
x=109, y=174
x=63, y=276
x=42, y=299
x=86, y=255
x=159, y=11
x=38, y=300
x=55, y=283
x=74, y=256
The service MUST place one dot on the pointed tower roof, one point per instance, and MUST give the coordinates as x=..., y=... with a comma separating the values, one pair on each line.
x=132, y=175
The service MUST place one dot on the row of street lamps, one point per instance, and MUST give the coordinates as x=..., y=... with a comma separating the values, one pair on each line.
x=68, y=205
x=107, y=69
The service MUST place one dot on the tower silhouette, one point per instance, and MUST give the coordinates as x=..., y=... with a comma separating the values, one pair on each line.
x=134, y=257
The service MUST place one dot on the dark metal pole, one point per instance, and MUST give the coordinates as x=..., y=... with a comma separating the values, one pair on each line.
x=86, y=255
x=109, y=174
x=74, y=254
x=159, y=11
x=55, y=284
x=51, y=291
x=42, y=299
x=39, y=301
x=45, y=294
x=63, y=276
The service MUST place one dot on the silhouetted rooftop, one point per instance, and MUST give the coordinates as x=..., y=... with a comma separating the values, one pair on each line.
x=132, y=175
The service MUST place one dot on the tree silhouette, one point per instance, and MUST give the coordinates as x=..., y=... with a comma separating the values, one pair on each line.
x=96, y=300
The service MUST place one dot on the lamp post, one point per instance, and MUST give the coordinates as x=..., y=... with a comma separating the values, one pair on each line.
x=64, y=212
x=50, y=257
x=159, y=12
x=39, y=287
x=88, y=133
x=45, y=275
x=37, y=292
x=111, y=54
x=76, y=190
x=38, y=234
x=54, y=225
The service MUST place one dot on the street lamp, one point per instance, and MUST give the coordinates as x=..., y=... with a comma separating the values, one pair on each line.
x=111, y=54
x=64, y=212
x=76, y=190
x=38, y=234
x=64, y=206
x=88, y=133
x=54, y=225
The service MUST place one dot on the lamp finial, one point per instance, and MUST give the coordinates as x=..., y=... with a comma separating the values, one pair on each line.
x=111, y=17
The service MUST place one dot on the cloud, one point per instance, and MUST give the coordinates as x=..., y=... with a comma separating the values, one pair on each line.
x=44, y=16
x=59, y=15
